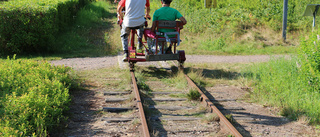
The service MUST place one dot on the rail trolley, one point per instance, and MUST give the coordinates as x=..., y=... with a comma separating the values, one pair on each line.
x=158, y=46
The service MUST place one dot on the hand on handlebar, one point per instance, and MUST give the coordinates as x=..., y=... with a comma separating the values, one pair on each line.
x=148, y=17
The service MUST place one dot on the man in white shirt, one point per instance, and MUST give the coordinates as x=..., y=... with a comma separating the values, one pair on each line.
x=134, y=18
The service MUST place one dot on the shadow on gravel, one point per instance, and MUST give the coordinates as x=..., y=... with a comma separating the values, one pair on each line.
x=240, y=128
x=158, y=73
x=80, y=114
x=154, y=123
x=215, y=74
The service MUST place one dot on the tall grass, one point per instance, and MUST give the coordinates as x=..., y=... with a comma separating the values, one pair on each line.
x=244, y=27
x=240, y=15
x=86, y=36
x=176, y=80
x=93, y=13
x=281, y=83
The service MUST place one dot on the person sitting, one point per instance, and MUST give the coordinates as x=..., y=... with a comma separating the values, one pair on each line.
x=166, y=13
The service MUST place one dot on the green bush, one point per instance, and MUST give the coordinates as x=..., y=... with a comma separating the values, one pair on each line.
x=309, y=54
x=281, y=83
x=294, y=84
x=33, y=97
x=30, y=26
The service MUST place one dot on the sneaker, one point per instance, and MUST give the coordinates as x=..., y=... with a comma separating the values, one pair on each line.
x=125, y=57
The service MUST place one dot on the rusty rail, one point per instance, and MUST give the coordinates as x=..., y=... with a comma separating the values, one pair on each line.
x=214, y=108
x=140, y=106
x=205, y=99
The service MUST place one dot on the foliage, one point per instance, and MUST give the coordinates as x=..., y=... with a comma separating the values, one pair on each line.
x=309, y=55
x=92, y=13
x=80, y=39
x=29, y=26
x=33, y=97
x=193, y=95
x=284, y=83
x=240, y=27
x=240, y=15
x=217, y=44
x=177, y=80
x=293, y=85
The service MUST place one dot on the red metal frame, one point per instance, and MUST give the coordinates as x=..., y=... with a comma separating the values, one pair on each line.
x=134, y=56
x=177, y=28
x=132, y=49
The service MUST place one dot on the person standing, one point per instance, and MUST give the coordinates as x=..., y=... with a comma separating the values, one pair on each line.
x=133, y=18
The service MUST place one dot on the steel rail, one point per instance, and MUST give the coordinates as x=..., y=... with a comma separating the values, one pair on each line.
x=214, y=108
x=140, y=106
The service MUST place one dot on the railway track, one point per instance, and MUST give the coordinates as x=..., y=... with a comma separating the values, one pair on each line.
x=168, y=113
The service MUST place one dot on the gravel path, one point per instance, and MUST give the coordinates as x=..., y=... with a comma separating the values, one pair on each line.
x=108, y=61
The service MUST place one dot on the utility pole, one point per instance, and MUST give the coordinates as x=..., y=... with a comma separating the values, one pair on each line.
x=284, y=22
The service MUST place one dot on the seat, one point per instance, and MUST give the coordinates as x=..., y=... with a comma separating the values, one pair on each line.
x=161, y=38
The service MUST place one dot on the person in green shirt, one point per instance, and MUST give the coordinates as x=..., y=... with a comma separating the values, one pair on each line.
x=166, y=13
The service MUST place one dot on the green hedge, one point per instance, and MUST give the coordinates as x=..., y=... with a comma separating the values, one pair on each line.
x=33, y=97
x=31, y=25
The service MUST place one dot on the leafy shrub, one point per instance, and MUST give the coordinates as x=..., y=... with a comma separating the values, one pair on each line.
x=33, y=97
x=293, y=85
x=29, y=26
x=310, y=61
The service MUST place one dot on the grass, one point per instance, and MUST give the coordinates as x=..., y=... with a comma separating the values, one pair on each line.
x=230, y=118
x=279, y=83
x=237, y=28
x=88, y=36
x=211, y=118
x=177, y=80
x=108, y=77
x=209, y=44
x=193, y=95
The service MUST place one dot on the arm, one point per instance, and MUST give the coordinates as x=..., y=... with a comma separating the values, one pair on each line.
x=147, y=7
x=153, y=28
x=119, y=12
x=183, y=20
x=148, y=12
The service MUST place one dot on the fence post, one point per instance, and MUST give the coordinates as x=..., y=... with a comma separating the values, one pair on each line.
x=284, y=22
